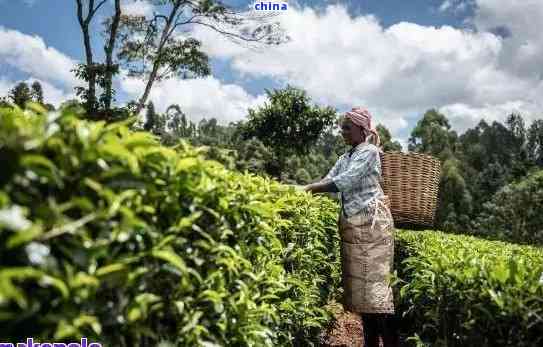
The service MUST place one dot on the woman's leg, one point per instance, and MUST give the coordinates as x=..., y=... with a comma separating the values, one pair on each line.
x=370, y=329
x=378, y=326
x=390, y=330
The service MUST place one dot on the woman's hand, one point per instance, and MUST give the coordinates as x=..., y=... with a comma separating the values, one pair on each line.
x=324, y=186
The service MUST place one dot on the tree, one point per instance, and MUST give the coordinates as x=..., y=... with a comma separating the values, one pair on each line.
x=20, y=94
x=517, y=144
x=386, y=140
x=37, y=92
x=288, y=124
x=177, y=126
x=433, y=135
x=97, y=73
x=535, y=142
x=492, y=156
x=454, y=199
x=156, y=48
x=514, y=212
x=178, y=123
x=4, y=102
x=112, y=28
x=88, y=71
x=152, y=121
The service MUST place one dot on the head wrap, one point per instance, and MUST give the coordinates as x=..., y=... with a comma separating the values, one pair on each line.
x=362, y=118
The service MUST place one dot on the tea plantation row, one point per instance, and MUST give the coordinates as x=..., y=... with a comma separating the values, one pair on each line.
x=106, y=234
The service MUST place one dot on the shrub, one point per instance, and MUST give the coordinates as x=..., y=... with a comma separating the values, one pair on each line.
x=106, y=234
x=464, y=291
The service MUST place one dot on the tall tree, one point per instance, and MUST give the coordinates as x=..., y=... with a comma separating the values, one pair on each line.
x=37, y=92
x=177, y=126
x=535, y=142
x=112, y=28
x=20, y=94
x=88, y=71
x=97, y=74
x=517, y=144
x=151, y=118
x=288, y=124
x=157, y=48
x=433, y=135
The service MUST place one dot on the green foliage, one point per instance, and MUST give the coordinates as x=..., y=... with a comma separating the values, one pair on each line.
x=37, y=92
x=288, y=124
x=102, y=74
x=535, y=142
x=464, y=291
x=386, y=140
x=514, y=213
x=20, y=94
x=105, y=233
x=433, y=135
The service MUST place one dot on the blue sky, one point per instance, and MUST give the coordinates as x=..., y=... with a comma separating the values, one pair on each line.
x=400, y=58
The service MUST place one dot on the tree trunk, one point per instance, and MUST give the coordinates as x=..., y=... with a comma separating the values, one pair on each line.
x=91, y=97
x=148, y=86
x=84, y=23
x=156, y=64
x=109, y=48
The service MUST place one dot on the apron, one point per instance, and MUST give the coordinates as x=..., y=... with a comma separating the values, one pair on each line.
x=367, y=257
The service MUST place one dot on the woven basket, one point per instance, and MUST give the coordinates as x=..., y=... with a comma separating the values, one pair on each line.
x=411, y=182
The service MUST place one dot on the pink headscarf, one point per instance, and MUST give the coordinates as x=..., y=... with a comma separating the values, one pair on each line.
x=362, y=118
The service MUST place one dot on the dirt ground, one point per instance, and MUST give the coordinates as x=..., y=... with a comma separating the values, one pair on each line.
x=345, y=331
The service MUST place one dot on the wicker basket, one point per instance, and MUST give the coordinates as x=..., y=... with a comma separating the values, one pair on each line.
x=411, y=182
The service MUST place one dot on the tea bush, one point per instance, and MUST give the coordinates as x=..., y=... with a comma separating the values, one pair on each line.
x=464, y=291
x=106, y=234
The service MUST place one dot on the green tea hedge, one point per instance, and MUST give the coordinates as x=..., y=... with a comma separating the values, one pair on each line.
x=464, y=291
x=106, y=234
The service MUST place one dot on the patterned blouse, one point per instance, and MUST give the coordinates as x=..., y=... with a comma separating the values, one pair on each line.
x=356, y=175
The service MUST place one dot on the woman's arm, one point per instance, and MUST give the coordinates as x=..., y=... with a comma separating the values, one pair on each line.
x=324, y=186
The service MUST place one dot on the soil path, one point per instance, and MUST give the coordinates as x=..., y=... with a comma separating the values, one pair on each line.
x=344, y=331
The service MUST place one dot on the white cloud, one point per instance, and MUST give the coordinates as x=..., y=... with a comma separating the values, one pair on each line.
x=522, y=53
x=456, y=6
x=466, y=116
x=198, y=98
x=5, y=86
x=137, y=8
x=31, y=55
x=446, y=5
x=401, y=70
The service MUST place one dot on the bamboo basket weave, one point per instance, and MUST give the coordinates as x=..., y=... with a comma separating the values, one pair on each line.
x=411, y=182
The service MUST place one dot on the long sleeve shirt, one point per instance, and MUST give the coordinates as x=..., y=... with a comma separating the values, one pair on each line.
x=356, y=174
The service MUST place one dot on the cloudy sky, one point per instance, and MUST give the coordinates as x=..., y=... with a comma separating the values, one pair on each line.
x=471, y=59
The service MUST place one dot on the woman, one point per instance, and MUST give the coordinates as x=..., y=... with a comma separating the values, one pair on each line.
x=366, y=228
